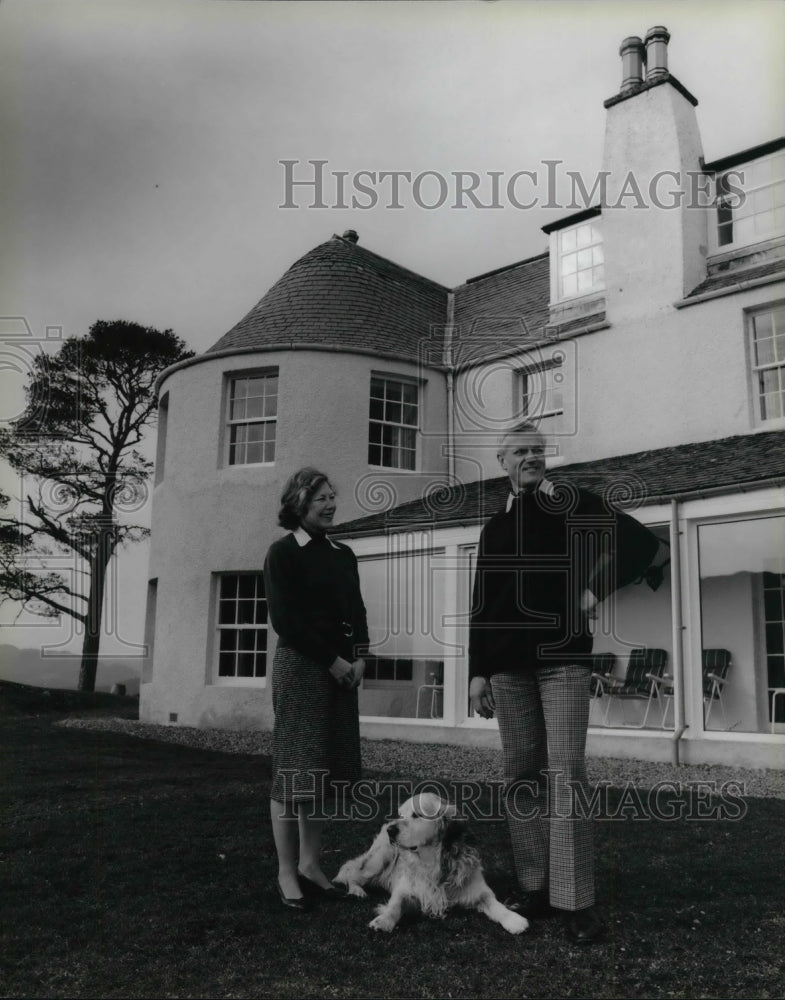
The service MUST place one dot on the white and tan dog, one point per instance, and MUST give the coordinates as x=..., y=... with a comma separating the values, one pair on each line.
x=421, y=860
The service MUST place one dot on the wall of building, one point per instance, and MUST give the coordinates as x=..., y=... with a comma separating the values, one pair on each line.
x=675, y=376
x=210, y=518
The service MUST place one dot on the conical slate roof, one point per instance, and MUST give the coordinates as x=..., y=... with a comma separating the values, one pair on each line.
x=340, y=295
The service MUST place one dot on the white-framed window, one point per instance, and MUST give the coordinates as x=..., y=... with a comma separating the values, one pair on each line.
x=388, y=669
x=580, y=260
x=542, y=388
x=750, y=202
x=767, y=361
x=252, y=417
x=394, y=421
x=241, y=626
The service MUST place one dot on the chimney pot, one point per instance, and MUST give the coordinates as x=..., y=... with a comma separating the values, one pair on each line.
x=657, y=39
x=632, y=54
x=351, y=236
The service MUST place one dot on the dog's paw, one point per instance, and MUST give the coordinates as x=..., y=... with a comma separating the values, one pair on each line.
x=382, y=923
x=514, y=923
x=356, y=890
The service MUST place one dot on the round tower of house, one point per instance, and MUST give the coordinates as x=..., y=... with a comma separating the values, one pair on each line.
x=338, y=366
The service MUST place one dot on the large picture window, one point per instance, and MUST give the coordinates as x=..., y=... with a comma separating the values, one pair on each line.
x=394, y=418
x=253, y=413
x=767, y=356
x=241, y=626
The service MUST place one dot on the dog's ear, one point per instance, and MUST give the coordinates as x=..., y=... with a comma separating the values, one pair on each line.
x=454, y=829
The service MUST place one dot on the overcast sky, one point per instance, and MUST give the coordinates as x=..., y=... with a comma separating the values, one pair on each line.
x=140, y=175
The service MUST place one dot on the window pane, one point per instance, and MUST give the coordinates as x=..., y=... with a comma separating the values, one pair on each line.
x=393, y=390
x=583, y=234
x=585, y=281
x=764, y=350
x=385, y=670
x=226, y=665
x=409, y=392
x=569, y=264
x=570, y=285
x=226, y=612
x=584, y=259
x=238, y=409
x=764, y=223
x=246, y=641
x=376, y=409
x=568, y=241
x=229, y=585
x=246, y=586
x=393, y=412
x=228, y=640
x=245, y=612
x=245, y=664
x=763, y=324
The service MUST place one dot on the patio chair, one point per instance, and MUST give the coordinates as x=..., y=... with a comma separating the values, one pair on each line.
x=433, y=691
x=602, y=667
x=715, y=664
x=641, y=682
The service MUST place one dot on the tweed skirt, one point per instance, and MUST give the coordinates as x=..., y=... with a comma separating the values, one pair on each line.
x=316, y=734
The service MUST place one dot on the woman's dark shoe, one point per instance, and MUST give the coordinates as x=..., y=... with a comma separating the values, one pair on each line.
x=299, y=903
x=311, y=888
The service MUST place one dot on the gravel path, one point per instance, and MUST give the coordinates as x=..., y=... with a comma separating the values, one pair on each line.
x=447, y=761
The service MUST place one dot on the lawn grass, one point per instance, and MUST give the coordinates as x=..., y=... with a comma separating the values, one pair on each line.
x=141, y=869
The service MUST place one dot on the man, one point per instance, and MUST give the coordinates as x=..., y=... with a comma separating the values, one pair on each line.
x=543, y=565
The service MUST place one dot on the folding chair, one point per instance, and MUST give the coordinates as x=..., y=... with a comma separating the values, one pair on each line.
x=715, y=664
x=603, y=665
x=642, y=681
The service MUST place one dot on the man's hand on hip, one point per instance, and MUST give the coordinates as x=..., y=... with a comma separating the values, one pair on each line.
x=481, y=697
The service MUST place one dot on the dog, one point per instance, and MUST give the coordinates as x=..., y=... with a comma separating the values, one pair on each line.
x=421, y=859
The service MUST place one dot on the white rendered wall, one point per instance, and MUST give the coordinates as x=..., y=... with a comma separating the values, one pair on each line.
x=209, y=518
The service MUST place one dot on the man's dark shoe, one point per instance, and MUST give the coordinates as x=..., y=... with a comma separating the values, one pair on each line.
x=583, y=926
x=533, y=905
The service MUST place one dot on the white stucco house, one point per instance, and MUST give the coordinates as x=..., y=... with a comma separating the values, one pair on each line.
x=649, y=341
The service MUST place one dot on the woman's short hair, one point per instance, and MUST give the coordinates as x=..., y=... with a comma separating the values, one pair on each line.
x=524, y=427
x=297, y=494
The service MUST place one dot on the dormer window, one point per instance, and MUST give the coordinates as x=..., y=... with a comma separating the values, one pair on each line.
x=577, y=256
x=750, y=202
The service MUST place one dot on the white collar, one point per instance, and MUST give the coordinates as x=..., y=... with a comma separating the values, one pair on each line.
x=545, y=485
x=302, y=538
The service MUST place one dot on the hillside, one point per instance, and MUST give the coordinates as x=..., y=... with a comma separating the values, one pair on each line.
x=27, y=666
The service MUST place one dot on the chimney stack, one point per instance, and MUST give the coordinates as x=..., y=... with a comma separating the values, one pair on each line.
x=632, y=58
x=657, y=39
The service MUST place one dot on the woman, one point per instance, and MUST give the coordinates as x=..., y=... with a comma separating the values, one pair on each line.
x=315, y=606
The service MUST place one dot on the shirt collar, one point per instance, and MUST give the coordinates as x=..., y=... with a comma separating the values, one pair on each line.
x=545, y=485
x=302, y=538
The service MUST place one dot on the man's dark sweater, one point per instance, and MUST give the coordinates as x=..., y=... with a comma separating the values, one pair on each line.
x=533, y=564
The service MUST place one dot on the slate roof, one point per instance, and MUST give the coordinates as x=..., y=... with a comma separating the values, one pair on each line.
x=738, y=276
x=502, y=310
x=747, y=461
x=343, y=296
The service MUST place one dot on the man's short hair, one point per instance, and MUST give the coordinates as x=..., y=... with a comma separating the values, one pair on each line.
x=524, y=427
